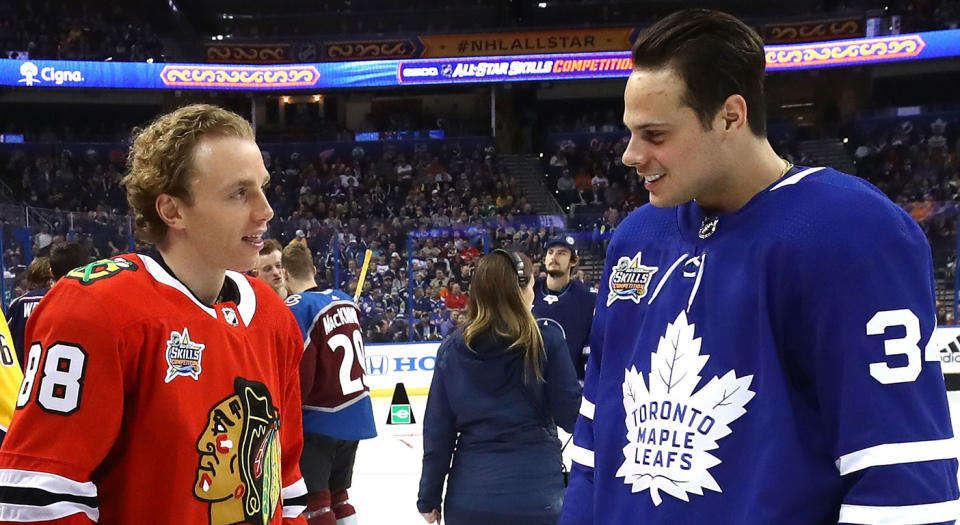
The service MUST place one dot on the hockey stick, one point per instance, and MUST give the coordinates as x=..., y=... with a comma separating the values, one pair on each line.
x=363, y=274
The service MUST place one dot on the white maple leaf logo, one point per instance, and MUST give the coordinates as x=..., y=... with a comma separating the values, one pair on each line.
x=670, y=428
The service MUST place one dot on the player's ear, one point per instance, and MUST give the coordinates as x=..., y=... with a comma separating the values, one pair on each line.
x=733, y=113
x=169, y=209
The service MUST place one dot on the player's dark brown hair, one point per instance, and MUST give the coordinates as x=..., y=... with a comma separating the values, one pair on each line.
x=715, y=54
x=297, y=261
x=67, y=256
x=495, y=307
x=161, y=159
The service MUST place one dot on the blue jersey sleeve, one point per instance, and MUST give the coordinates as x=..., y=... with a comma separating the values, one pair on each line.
x=579, y=498
x=563, y=390
x=865, y=298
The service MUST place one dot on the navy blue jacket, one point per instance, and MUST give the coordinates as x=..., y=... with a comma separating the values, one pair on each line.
x=500, y=429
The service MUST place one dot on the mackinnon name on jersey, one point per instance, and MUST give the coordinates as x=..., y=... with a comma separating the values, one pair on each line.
x=672, y=415
x=339, y=317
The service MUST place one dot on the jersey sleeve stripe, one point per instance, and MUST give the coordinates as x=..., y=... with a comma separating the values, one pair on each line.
x=292, y=511
x=585, y=351
x=581, y=455
x=896, y=453
x=48, y=482
x=297, y=489
x=30, y=513
x=663, y=279
x=587, y=408
x=795, y=178
x=294, y=499
x=946, y=511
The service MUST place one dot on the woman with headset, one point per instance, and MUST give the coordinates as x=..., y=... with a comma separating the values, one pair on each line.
x=501, y=386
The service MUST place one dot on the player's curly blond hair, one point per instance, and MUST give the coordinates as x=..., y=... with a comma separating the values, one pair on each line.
x=161, y=159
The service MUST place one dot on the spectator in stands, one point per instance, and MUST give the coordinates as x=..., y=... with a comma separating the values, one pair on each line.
x=440, y=280
x=566, y=188
x=501, y=358
x=456, y=299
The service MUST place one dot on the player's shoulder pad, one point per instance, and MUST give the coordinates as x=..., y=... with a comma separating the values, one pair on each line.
x=830, y=208
x=339, y=295
x=103, y=270
x=647, y=221
x=583, y=289
x=550, y=330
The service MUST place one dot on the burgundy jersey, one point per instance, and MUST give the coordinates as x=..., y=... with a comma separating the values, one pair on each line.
x=336, y=402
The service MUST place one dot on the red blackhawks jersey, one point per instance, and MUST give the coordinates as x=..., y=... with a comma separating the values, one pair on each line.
x=141, y=404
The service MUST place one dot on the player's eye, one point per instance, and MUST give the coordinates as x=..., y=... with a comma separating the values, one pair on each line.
x=654, y=137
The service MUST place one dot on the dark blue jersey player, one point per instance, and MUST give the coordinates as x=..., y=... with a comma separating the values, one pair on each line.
x=564, y=302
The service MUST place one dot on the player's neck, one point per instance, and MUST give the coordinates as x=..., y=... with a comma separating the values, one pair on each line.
x=757, y=167
x=557, y=284
x=205, y=282
x=295, y=286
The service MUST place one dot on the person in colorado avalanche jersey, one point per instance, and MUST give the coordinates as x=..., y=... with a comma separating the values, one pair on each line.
x=564, y=302
x=757, y=355
x=337, y=411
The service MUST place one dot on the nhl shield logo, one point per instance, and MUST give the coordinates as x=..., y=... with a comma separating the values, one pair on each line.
x=230, y=316
x=708, y=227
x=629, y=279
x=183, y=356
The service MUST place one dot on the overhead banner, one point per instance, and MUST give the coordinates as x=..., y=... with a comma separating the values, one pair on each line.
x=813, y=31
x=372, y=49
x=231, y=53
x=527, y=42
x=505, y=69
x=379, y=73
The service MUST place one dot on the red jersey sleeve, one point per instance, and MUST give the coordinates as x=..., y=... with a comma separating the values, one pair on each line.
x=69, y=412
x=294, y=492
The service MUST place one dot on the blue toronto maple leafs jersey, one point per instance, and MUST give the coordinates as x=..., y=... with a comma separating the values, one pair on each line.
x=571, y=311
x=766, y=366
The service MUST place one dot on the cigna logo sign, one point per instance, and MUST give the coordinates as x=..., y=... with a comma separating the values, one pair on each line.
x=29, y=71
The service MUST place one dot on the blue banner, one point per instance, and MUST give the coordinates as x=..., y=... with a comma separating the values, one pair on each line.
x=375, y=73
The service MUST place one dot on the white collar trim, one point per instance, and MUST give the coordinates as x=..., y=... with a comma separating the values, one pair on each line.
x=247, y=304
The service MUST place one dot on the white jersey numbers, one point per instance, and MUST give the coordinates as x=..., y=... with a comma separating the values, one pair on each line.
x=61, y=384
x=908, y=345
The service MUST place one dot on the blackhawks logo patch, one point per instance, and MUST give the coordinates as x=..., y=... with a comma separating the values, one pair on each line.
x=101, y=269
x=238, y=472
